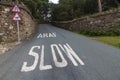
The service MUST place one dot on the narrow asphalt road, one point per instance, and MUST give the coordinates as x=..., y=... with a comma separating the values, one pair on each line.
x=57, y=54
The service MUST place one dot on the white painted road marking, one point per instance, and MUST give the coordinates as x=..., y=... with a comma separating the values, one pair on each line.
x=70, y=53
x=47, y=35
x=63, y=63
x=31, y=53
x=55, y=49
x=42, y=66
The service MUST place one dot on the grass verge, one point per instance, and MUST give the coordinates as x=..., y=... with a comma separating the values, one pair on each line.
x=111, y=40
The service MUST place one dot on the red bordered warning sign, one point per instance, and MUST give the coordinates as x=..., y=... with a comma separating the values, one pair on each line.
x=16, y=17
x=16, y=9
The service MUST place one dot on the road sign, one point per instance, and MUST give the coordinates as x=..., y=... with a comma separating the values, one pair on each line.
x=16, y=9
x=16, y=17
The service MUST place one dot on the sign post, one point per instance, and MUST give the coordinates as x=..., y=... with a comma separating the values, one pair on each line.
x=17, y=18
x=18, y=31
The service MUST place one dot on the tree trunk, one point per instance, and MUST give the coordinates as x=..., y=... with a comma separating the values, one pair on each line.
x=100, y=6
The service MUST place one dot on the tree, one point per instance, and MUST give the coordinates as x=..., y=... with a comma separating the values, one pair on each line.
x=38, y=8
x=68, y=9
x=108, y=4
x=100, y=6
x=90, y=7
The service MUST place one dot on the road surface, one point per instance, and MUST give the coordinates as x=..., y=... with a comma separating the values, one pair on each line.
x=57, y=54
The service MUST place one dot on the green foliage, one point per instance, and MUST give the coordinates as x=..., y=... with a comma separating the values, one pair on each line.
x=37, y=7
x=108, y=4
x=90, y=6
x=70, y=9
x=101, y=32
x=67, y=9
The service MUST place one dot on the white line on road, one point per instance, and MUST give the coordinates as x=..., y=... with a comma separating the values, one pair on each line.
x=55, y=49
x=34, y=54
x=42, y=66
x=63, y=63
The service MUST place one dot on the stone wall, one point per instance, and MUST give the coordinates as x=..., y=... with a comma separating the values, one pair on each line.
x=9, y=27
x=106, y=20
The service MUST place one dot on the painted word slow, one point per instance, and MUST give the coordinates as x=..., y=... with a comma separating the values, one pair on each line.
x=46, y=35
x=56, y=49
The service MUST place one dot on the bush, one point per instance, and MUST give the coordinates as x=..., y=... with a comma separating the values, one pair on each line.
x=101, y=32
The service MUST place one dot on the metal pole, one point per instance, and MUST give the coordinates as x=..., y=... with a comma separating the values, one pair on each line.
x=18, y=31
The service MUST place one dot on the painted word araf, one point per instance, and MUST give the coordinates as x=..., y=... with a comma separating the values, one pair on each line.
x=55, y=49
x=46, y=35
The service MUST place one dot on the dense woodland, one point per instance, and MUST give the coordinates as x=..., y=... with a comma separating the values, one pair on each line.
x=67, y=9
x=70, y=9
